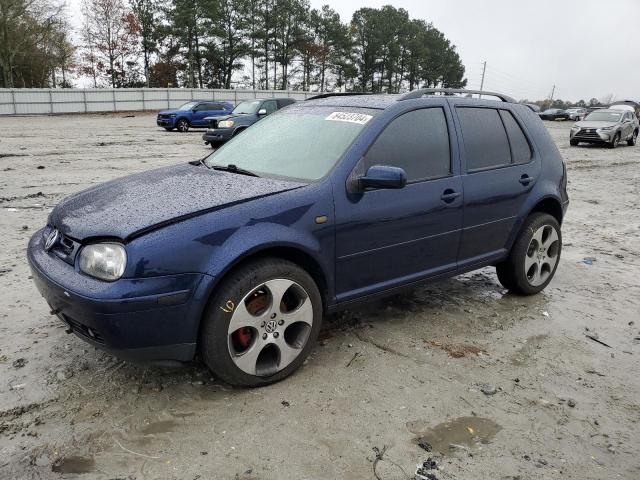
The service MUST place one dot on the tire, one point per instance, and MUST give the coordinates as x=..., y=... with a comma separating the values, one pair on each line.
x=574, y=143
x=528, y=269
x=634, y=138
x=615, y=141
x=182, y=125
x=252, y=355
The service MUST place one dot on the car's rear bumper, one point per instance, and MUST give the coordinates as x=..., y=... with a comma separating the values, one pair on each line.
x=217, y=135
x=154, y=318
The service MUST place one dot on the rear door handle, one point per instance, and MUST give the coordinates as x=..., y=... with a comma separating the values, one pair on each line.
x=449, y=195
x=526, y=179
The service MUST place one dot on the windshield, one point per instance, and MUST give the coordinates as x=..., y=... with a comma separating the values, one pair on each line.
x=250, y=106
x=604, y=117
x=553, y=110
x=301, y=143
x=188, y=106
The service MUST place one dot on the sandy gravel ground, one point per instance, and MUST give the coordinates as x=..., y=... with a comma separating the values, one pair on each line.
x=407, y=370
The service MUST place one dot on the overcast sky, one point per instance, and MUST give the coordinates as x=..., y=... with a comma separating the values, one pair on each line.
x=587, y=48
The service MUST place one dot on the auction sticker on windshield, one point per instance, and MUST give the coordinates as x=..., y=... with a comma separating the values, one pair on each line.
x=360, y=118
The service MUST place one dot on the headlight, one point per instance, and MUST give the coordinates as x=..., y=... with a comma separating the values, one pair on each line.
x=606, y=128
x=105, y=261
x=226, y=124
x=173, y=115
x=575, y=127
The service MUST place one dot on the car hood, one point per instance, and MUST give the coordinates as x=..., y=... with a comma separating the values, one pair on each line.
x=132, y=205
x=594, y=124
x=228, y=116
x=169, y=110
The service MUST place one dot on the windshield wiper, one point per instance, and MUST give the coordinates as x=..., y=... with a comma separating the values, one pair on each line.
x=234, y=169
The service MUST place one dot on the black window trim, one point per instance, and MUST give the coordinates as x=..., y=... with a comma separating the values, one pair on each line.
x=446, y=121
x=509, y=138
x=500, y=166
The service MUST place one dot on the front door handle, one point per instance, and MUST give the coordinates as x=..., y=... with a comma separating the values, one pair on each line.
x=449, y=195
x=526, y=179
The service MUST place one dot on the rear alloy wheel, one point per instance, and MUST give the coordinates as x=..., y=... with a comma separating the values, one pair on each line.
x=616, y=140
x=183, y=125
x=634, y=138
x=534, y=257
x=262, y=323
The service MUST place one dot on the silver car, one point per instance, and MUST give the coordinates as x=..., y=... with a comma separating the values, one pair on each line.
x=576, y=113
x=609, y=127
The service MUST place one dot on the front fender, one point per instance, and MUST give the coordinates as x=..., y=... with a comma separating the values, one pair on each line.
x=215, y=242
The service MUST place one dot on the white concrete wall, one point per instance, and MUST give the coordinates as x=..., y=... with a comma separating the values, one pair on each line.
x=42, y=101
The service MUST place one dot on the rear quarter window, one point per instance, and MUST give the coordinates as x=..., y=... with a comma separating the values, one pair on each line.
x=520, y=148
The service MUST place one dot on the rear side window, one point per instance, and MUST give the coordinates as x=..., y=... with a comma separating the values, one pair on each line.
x=485, y=140
x=520, y=149
x=417, y=142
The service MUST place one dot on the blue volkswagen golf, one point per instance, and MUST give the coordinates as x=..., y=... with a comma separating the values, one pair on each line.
x=326, y=203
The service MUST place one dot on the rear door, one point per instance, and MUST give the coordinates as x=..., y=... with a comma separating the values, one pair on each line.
x=500, y=168
x=384, y=237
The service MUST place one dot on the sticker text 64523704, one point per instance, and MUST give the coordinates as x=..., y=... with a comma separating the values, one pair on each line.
x=351, y=117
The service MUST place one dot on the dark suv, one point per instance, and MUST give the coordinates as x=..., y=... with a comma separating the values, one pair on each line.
x=224, y=127
x=239, y=255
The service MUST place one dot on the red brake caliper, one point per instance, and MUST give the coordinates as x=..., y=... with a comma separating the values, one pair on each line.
x=243, y=336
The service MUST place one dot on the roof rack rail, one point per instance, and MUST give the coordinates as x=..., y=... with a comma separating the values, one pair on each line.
x=450, y=91
x=338, y=94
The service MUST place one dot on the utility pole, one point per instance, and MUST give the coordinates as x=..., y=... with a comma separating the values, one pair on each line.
x=484, y=69
x=553, y=91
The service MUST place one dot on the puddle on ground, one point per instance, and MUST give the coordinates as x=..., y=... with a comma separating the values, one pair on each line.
x=162, y=426
x=74, y=465
x=465, y=432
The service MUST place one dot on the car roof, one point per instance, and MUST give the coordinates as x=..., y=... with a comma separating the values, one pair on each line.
x=385, y=100
x=379, y=101
x=268, y=98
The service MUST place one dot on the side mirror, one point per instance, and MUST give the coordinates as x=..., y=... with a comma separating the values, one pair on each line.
x=382, y=176
x=262, y=111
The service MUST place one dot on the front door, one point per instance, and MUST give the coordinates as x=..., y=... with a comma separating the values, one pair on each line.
x=385, y=238
x=500, y=168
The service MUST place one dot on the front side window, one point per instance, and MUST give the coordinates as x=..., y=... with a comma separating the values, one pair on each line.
x=250, y=106
x=301, y=143
x=485, y=139
x=188, y=106
x=417, y=142
x=270, y=106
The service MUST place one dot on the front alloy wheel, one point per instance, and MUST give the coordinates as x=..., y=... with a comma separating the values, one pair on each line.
x=269, y=327
x=183, y=125
x=261, y=323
